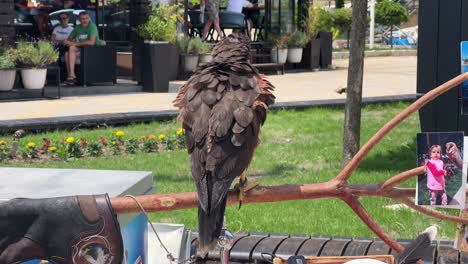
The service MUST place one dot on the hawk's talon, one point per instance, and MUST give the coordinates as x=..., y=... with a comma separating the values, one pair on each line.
x=244, y=186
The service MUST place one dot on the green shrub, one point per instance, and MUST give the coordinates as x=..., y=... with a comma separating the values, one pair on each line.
x=279, y=41
x=36, y=55
x=297, y=39
x=161, y=25
x=206, y=48
x=195, y=46
x=342, y=18
x=389, y=13
x=7, y=60
x=183, y=43
x=318, y=19
x=192, y=46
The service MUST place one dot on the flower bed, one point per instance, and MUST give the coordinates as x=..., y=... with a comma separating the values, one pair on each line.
x=70, y=148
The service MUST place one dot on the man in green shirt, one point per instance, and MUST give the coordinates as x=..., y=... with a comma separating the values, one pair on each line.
x=85, y=34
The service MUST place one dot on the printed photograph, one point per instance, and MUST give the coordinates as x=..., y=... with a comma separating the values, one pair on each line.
x=444, y=182
x=461, y=236
x=464, y=68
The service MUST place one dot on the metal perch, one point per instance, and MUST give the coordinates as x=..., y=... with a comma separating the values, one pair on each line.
x=337, y=187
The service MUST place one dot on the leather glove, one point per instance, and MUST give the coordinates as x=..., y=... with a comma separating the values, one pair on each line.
x=75, y=229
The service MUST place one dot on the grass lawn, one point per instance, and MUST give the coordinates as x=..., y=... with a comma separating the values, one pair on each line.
x=298, y=146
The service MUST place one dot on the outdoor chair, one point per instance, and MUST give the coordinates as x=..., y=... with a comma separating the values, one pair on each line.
x=195, y=22
x=98, y=64
x=232, y=20
x=197, y=25
x=258, y=27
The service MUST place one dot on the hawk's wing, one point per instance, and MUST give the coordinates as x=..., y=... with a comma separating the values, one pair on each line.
x=222, y=107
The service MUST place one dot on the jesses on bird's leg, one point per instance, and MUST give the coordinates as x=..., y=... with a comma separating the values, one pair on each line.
x=243, y=186
x=225, y=243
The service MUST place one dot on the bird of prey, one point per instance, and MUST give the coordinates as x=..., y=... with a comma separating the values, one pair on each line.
x=222, y=107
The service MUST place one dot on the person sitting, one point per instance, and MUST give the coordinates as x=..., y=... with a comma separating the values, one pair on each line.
x=61, y=33
x=85, y=34
x=236, y=6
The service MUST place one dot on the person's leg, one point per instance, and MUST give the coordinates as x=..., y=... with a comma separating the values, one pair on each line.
x=218, y=28
x=433, y=197
x=444, y=198
x=249, y=28
x=73, y=52
x=67, y=54
x=207, y=27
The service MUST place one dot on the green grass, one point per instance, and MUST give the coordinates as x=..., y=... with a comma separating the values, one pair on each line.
x=298, y=147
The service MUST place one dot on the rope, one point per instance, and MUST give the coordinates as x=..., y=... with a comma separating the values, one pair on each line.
x=169, y=255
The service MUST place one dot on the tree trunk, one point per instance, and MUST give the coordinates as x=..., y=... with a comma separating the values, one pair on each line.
x=352, y=122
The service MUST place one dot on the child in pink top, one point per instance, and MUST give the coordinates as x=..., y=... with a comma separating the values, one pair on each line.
x=435, y=175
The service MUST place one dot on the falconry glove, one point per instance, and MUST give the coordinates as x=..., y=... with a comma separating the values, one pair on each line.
x=75, y=229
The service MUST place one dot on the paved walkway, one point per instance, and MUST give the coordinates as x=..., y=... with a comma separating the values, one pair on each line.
x=384, y=76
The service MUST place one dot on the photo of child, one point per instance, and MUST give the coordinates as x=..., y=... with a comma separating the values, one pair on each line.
x=443, y=183
x=436, y=175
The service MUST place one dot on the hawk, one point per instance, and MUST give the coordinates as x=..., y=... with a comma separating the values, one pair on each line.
x=222, y=107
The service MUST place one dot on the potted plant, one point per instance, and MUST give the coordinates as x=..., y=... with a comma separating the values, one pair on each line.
x=205, y=53
x=296, y=42
x=190, y=49
x=279, y=50
x=33, y=58
x=7, y=70
x=160, y=58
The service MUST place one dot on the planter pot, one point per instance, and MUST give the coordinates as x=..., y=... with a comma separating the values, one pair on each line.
x=314, y=58
x=326, y=49
x=205, y=58
x=7, y=79
x=295, y=55
x=159, y=64
x=190, y=62
x=33, y=78
x=173, y=66
x=279, y=55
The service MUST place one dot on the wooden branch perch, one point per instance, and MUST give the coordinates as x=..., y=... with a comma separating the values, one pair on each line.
x=337, y=188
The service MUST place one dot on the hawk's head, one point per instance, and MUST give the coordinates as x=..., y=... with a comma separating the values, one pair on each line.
x=233, y=48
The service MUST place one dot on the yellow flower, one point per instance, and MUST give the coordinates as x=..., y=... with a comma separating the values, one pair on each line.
x=31, y=145
x=151, y=136
x=114, y=143
x=52, y=149
x=180, y=131
x=120, y=133
x=161, y=136
x=2, y=142
x=71, y=140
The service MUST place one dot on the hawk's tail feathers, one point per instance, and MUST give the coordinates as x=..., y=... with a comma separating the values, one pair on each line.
x=210, y=225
